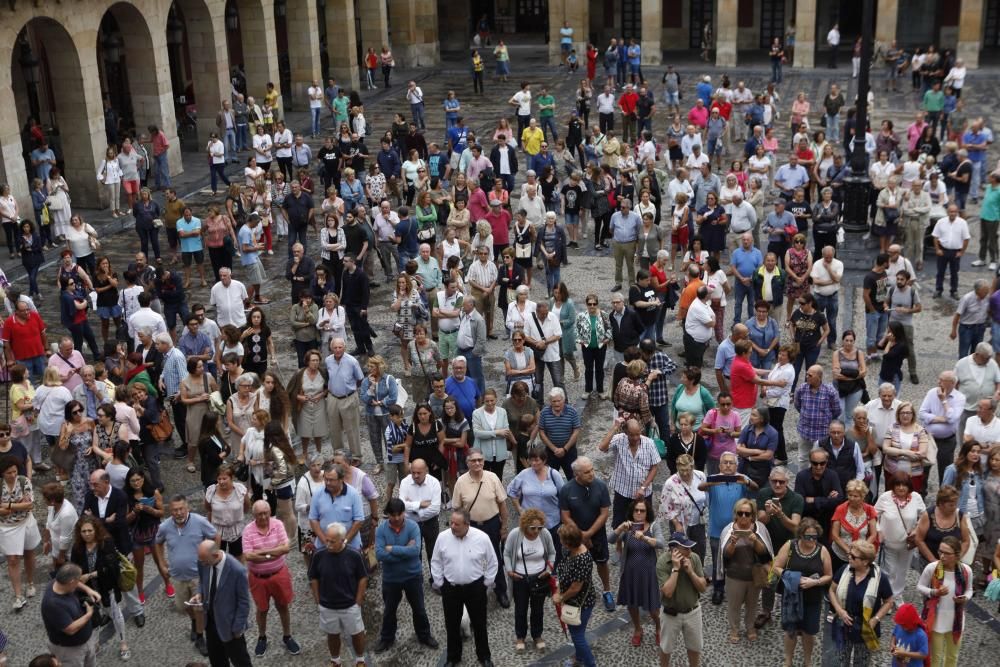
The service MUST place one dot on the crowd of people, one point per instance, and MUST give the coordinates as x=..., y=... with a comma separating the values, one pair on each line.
x=700, y=209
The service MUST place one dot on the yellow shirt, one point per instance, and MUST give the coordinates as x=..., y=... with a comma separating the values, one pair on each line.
x=532, y=139
x=486, y=505
x=19, y=392
x=271, y=98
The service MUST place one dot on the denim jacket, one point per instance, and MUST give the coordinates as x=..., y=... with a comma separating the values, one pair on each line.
x=950, y=473
x=386, y=391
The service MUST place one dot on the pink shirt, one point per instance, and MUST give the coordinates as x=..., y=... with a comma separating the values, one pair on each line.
x=66, y=366
x=718, y=443
x=254, y=540
x=698, y=116
x=160, y=144
x=913, y=133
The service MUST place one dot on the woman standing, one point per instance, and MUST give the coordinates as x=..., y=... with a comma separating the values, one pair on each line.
x=95, y=554
x=853, y=521
x=19, y=535
x=965, y=474
x=59, y=204
x=895, y=349
x=29, y=246
x=683, y=504
x=745, y=544
x=226, y=502
x=196, y=392
x=81, y=239
x=529, y=552
x=24, y=419
x=807, y=558
x=898, y=511
x=10, y=217
x=861, y=596
x=280, y=461
x=148, y=413
x=941, y=520
x=308, y=486
x=519, y=362
x=523, y=238
x=905, y=446
x=862, y=432
x=49, y=403
x=503, y=61
x=77, y=435
x=331, y=321
x=685, y=440
x=536, y=487
x=240, y=407
x=425, y=440
x=492, y=433
x=756, y=446
x=826, y=220
x=106, y=285
x=477, y=72
x=426, y=359
x=712, y=222
x=849, y=371
x=691, y=398
x=991, y=496
x=551, y=245
x=719, y=287
x=576, y=588
x=798, y=262
x=593, y=332
x=764, y=336
x=213, y=448
x=456, y=442
x=145, y=511
x=147, y=213
x=378, y=392
x=220, y=239
x=307, y=393
x=562, y=306
x=259, y=351
x=405, y=303
x=631, y=396
x=946, y=585
x=640, y=536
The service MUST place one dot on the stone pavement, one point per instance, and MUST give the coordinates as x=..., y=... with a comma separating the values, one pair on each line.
x=163, y=637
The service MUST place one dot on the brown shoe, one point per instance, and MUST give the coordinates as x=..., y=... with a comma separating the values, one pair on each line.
x=761, y=620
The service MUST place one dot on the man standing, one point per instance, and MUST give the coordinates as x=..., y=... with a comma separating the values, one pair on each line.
x=446, y=313
x=940, y=413
x=819, y=487
x=415, y=96
x=559, y=427
x=481, y=493
x=818, y=404
x=338, y=579
x=521, y=100
x=224, y=596
x=951, y=238
x=790, y=176
x=504, y=160
x=342, y=404
x=299, y=211
x=699, y=327
x=826, y=275
x=726, y=353
x=397, y=547
x=833, y=41
x=420, y=495
x=660, y=366
x=67, y=615
x=978, y=376
x=283, y=140
x=971, y=317
x=626, y=330
x=482, y=278
x=265, y=546
x=832, y=104
x=182, y=533
x=642, y=297
x=681, y=577
x=229, y=298
x=471, y=340
x=635, y=464
x=160, y=148
x=584, y=501
x=542, y=333
x=746, y=260
x=546, y=113
x=356, y=293
x=463, y=566
x=462, y=388
x=627, y=103
x=780, y=509
x=339, y=503
x=624, y=231
x=874, y=290
x=24, y=340
x=721, y=497
x=315, y=93
x=251, y=245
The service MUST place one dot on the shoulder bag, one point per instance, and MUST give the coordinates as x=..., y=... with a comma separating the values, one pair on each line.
x=570, y=614
x=127, y=573
x=537, y=587
x=163, y=429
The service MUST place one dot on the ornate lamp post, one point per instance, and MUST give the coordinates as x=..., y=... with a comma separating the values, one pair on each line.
x=858, y=185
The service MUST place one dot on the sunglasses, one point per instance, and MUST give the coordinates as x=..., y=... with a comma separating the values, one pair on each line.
x=591, y=303
x=744, y=514
x=4, y=434
x=78, y=411
x=778, y=482
x=809, y=538
x=818, y=464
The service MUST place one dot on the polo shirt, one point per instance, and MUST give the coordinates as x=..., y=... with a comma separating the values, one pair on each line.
x=254, y=540
x=951, y=235
x=791, y=503
x=297, y=208
x=465, y=393
x=182, y=544
x=345, y=508
x=741, y=385
x=559, y=428
x=721, y=499
x=584, y=503
x=747, y=261
x=544, y=100
x=972, y=310
x=345, y=375
x=248, y=237
x=59, y=611
x=190, y=243
x=25, y=339
x=338, y=575
x=724, y=356
x=686, y=597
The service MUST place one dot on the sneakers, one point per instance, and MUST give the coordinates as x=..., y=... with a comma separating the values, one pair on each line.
x=31, y=590
x=19, y=604
x=291, y=645
x=993, y=266
x=609, y=601
x=169, y=590
x=978, y=262
x=261, y=647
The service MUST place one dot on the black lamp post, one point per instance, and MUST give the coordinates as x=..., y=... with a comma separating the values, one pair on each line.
x=175, y=39
x=32, y=72
x=857, y=186
x=232, y=18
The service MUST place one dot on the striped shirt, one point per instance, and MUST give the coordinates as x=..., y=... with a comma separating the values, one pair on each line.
x=559, y=428
x=631, y=469
x=254, y=540
x=174, y=370
x=658, y=388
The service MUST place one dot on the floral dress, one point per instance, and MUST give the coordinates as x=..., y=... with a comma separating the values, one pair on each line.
x=404, y=318
x=797, y=262
x=83, y=465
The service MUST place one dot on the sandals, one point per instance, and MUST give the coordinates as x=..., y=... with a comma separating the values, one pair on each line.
x=539, y=644
x=519, y=645
x=191, y=468
x=637, y=638
x=752, y=636
x=734, y=638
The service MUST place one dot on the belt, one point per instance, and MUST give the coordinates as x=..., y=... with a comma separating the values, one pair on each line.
x=348, y=395
x=493, y=518
x=264, y=576
x=449, y=331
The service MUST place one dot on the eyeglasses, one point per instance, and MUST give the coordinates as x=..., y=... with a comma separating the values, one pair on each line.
x=78, y=411
x=591, y=303
x=744, y=514
x=809, y=538
x=778, y=482
x=944, y=553
x=818, y=464
x=534, y=527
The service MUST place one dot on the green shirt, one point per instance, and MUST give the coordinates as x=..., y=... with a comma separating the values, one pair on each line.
x=593, y=325
x=340, y=108
x=686, y=596
x=991, y=204
x=791, y=503
x=933, y=101
x=548, y=99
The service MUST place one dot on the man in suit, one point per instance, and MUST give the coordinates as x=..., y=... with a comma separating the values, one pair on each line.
x=110, y=505
x=225, y=597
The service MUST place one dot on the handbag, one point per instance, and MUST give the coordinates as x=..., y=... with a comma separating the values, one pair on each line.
x=241, y=471
x=570, y=614
x=791, y=230
x=216, y=403
x=92, y=239
x=537, y=587
x=127, y=574
x=761, y=575
x=554, y=261
x=53, y=203
x=63, y=457
x=911, y=539
x=162, y=430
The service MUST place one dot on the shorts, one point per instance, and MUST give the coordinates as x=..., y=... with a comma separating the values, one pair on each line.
x=284, y=492
x=277, y=587
x=672, y=98
x=234, y=548
x=599, y=547
x=131, y=187
x=394, y=472
x=715, y=146
x=109, y=312
x=185, y=589
x=572, y=218
x=448, y=344
x=172, y=238
x=688, y=625
x=255, y=274
x=454, y=161
x=197, y=255
x=565, y=47
x=332, y=621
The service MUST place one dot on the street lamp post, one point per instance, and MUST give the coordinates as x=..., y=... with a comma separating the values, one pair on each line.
x=31, y=70
x=857, y=185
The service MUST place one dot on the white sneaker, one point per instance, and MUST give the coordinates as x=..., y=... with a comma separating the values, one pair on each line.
x=270, y=252
x=978, y=262
x=993, y=266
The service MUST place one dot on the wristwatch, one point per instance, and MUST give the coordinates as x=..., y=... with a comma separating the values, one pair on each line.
x=267, y=556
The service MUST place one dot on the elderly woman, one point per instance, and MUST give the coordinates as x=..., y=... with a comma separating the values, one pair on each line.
x=826, y=220
x=519, y=362
x=226, y=502
x=196, y=392
x=576, y=588
x=941, y=520
x=632, y=394
x=683, y=503
x=946, y=585
x=528, y=554
x=307, y=395
x=240, y=407
x=898, y=512
x=146, y=212
x=691, y=397
x=520, y=310
x=853, y=521
x=593, y=333
x=756, y=446
x=640, y=536
x=863, y=433
x=861, y=596
x=493, y=433
x=805, y=561
x=308, y=486
x=905, y=446
x=745, y=544
x=379, y=390
x=886, y=225
x=425, y=359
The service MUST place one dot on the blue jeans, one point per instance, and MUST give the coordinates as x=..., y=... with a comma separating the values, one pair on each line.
x=32, y=278
x=875, y=326
x=315, y=119
x=392, y=594
x=829, y=306
x=243, y=137
x=35, y=366
x=549, y=122
x=776, y=71
x=661, y=413
x=418, y=114
x=229, y=139
x=162, y=170
x=847, y=405
x=833, y=127
x=218, y=173
x=579, y=635
x=977, y=178
x=551, y=278
x=743, y=292
x=806, y=358
x=969, y=335
x=474, y=365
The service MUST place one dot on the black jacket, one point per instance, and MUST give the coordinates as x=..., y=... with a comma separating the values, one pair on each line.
x=354, y=290
x=822, y=506
x=117, y=507
x=107, y=568
x=511, y=158
x=628, y=332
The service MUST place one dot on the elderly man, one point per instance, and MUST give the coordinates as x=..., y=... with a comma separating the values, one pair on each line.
x=339, y=579
x=844, y=453
x=951, y=238
x=174, y=371
x=464, y=565
x=90, y=393
x=635, y=465
x=726, y=353
x=182, y=533
x=699, y=327
x=224, y=597
x=940, y=413
x=24, y=340
x=542, y=333
x=397, y=547
x=819, y=487
x=67, y=608
x=881, y=413
x=584, y=501
x=355, y=300
x=626, y=329
x=446, y=312
x=722, y=493
x=746, y=259
x=915, y=213
x=681, y=577
x=818, y=404
x=978, y=376
x=625, y=226
x=338, y=502
x=69, y=362
x=229, y=297
x=265, y=546
x=299, y=270
x=780, y=509
x=971, y=317
x=344, y=377
x=482, y=279
x=791, y=176
x=902, y=301
x=660, y=366
x=464, y=389
x=826, y=275
x=420, y=494
x=984, y=426
x=559, y=427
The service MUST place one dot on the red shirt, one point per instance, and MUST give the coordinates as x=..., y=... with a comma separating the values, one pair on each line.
x=25, y=339
x=627, y=102
x=500, y=224
x=160, y=144
x=742, y=388
x=661, y=277
x=725, y=108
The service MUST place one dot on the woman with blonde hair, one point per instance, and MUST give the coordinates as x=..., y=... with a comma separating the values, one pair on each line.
x=483, y=238
x=110, y=176
x=378, y=392
x=744, y=543
x=861, y=596
x=261, y=202
x=529, y=552
x=853, y=521
x=905, y=446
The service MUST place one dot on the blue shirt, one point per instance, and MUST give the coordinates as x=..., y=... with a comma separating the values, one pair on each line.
x=625, y=229
x=704, y=91
x=533, y=494
x=788, y=177
x=403, y=562
x=345, y=375
x=192, y=345
x=465, y=393
x=190, y=243
x=451, y=109
x=761, y=336
x=458, y=137
x=345, y=508
x=747, y=261
x=182, y=544
x=248, y=237
x=724, y=356
x=914, y=641
x=42, y=170
x=721, y=499
x=559, y=428
x=174, y=370
x=970, y=137
x=406, y=230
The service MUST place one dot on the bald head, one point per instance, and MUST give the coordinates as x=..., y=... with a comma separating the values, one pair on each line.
x=208, y=552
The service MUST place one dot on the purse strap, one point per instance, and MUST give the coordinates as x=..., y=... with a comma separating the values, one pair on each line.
x=697, y=506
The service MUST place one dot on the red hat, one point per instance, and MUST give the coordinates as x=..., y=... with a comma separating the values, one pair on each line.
x=908, y=617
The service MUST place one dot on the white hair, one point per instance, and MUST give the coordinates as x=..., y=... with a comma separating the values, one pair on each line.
x=164, y=337
x=336, y=528
x=557, y=392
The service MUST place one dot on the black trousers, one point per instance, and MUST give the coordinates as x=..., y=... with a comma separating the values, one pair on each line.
x=694, y=352
x=429, y=530
x=471, y=596
x=180, y=419
x=523, y=600
x=606, y=121
x=359, y=325
x=945, y=455
x=495, y=467
x=223, y=654
x=492, y=528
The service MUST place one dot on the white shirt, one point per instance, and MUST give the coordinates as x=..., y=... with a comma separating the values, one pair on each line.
x=983, y=434
x=447, y=324
x=901, y=264
x=699, y=321
x=217, y=150
x=823, y=271
x=262, y=147
x=676, y=186
x=228, y=302
x=880, y=418
x=412, y=494
x=146, y=317
x=833, y=37
x=60, y=526
x=688, y=142
x=550, y=327
x=744, y=96
x=315, y=97
x=102, y=503
x=284, y=138
x=332, y=324
x=517, y=318
x=695, y=162
x=523, y=99
x=504, y=152
x=950, y=234
x=605, y=103
x=415, y=95
x=742, y=218
x=945, y=618
x=463, y=560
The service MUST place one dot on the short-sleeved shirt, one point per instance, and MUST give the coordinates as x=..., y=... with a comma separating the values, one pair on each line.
x=182, y=544
x=254, y=540
x=190, y=243
x=345, y=509
x=719, y=442
x=584, y=503
x=791, y=503
x=808, y=328
x=559, y=428
x=741, y=378
x=479, y=498
x=686, y=597
x=25, y=338
x=911, y=641
x=59, y=611
x=876, y=284
x=854, y=603
x=248, y=237
x=338, y=575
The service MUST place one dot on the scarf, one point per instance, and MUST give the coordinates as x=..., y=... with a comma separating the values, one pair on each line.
x=908, y=618
x=868, y=635
x=931, y=605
